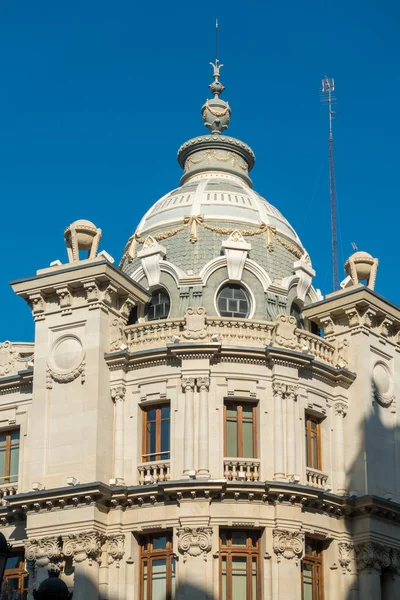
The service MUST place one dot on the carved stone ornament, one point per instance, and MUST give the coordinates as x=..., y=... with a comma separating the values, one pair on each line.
x=188, y=384
x=43, y=551
x=342, y=354
x=285, y=390
x=288, y=544
x=305, y=273
x=66, y=360
x=12, y=360
x=115, y=549
x=340, y=408
x=194, y=541
x=371, y=555
x=362, y=265
x=92, y=291
x=117, y=337
x=64, y=297
x=345, y=555
x=195, y=318
x=236, y=250
x=382, y=384
x=118, y=393
x=84, y=546
x=82, y=235
x=37, y=304
x=285, y=331
x=151, y=255
x=395, y=561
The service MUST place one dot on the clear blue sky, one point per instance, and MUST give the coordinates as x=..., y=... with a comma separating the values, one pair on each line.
x=96, y=97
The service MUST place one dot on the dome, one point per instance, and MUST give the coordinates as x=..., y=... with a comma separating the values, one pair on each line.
x=216, y=221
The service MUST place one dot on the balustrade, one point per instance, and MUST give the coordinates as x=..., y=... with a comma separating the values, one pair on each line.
x=7, y=489
x=316, y=478
x=241, y=469
x=153, y=472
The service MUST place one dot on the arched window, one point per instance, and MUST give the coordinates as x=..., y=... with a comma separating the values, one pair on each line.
x=159, y=305
x=233, y=301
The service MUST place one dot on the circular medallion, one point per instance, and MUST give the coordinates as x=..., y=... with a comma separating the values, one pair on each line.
x=382, y=384
x=66, y=358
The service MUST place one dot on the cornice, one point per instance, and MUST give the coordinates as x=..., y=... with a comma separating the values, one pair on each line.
x=22, y=382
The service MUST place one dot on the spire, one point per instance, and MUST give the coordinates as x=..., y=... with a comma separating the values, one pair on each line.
x=216, y=112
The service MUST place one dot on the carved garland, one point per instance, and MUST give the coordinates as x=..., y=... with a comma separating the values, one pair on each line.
x=192, y=222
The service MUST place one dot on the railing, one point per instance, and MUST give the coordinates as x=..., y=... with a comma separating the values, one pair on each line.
x=228, y=332
x=241, y=469
x=316, y=478
x=7, y=489
x=153, y=472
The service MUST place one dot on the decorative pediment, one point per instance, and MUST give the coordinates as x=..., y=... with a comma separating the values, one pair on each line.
x=151, y=255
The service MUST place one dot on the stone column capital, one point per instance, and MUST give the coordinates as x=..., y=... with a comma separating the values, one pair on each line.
x=194, y=541
x=371, y=555
x=288, y=544
x=43, y=551
x=203, y=383
x=84, y=546
x=188, y=384
x=115, y=548
x=118, y=393
x=278, y=388
x=340, y=408
x=345, y=555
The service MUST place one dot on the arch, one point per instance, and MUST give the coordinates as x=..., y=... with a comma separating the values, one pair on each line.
x=166, y=267
x=251, y=266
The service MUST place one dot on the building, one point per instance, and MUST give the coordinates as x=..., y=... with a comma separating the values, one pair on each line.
x=181, y=427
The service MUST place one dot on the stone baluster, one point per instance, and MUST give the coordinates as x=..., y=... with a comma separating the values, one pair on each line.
x=118, y=396
x=204, y=386
x=340, y=413
x=188, y=458
x=278, y=391
x=291, y=398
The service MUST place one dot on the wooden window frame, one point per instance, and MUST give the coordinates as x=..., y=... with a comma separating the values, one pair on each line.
x=315, y=560
x=249, y=551
x=239, y=404
x=148, y=556
x=20, y=573
x=7, y=461
x=158, y=454
x=308, y=420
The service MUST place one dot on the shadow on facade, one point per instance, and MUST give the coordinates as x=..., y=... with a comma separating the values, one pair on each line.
x=372, y=483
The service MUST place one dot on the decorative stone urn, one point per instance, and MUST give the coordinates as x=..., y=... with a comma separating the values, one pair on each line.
x=362, y=266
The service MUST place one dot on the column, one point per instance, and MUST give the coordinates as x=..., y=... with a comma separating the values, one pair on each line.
x=188, y=457
x=195, y=579
x=340, y=480
x=40, y=554
x=371, y=558
x=288, y=549
x=204, y=386
x=118, y=395
x=278, y=390
x=391, y=578
x=86, y=550
x=291, y=397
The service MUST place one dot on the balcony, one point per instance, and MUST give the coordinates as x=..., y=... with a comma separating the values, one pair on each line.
x=7, y=489
x=315, y=478
x=153, y=472
x=228, y=332
x=241, y=469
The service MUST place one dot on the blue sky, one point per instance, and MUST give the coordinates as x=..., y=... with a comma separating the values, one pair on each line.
x=96, y=97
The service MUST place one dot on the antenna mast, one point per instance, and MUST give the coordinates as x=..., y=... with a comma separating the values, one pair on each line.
x=328, y=87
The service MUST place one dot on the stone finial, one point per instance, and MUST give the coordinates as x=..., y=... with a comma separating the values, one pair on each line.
x=216, y=112
x=361, y=266
x=82, y=235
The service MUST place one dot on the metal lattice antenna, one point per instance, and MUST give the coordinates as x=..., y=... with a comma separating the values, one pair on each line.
x=328, y=87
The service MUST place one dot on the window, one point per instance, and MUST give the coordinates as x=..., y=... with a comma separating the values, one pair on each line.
x=157, y=568
x=156, y=433
x=15, y=580
x=159, y=305
x=295, y=312
x=233, y=301
x=313, y=442
x=9, y=456
x=239, y=565
x=240, y=430
x=311, y=571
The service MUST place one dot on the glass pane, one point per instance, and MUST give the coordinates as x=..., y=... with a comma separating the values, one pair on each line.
x=165, y=439
x=239, y=538
x=160, y=542
x=14, y=458
x=159, y=579
x=165, y=412
x=239, y=577
x=223, y=582
x=2, y=440
x=145, y=581
x=151, y=414
x=2, y=464
x=223, y=538
x=173, y=575
x=248, y=440
x=13, y=562
x=309, y=547
x=231, y=411
x=254, y=579
x=307, y=582
x=314, y=452
x=307, y=453
x=231, y=438
x=151, y=441
x=14, y=437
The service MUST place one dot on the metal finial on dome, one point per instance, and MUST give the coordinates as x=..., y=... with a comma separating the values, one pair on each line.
x=216, y=112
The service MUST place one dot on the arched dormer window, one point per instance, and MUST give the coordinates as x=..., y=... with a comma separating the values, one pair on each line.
x=159, y=305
